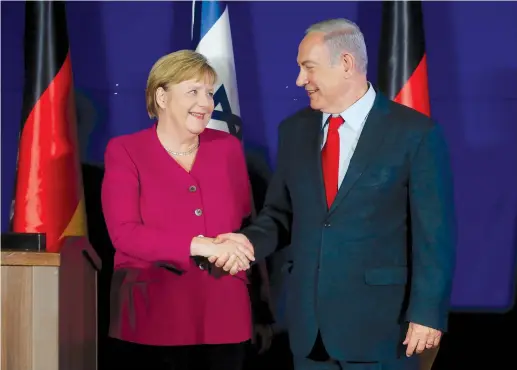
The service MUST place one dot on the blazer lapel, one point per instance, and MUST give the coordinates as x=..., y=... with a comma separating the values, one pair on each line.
x=313, y=164
x=369, y=142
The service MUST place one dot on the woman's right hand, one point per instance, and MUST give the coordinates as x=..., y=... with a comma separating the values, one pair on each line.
x=239, y=256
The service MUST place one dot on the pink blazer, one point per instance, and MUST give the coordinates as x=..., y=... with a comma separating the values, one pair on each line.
x=153, y=208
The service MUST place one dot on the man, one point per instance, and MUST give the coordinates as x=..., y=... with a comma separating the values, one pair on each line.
x=363, y=194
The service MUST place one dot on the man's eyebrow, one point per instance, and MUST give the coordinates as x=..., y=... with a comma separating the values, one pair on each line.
x=305, y=62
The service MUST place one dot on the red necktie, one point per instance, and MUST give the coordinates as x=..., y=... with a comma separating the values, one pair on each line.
x=330, y=159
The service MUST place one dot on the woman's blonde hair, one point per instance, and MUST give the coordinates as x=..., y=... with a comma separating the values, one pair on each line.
x=175, y=68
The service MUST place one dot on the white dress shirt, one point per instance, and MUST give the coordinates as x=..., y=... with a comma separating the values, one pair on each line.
x=350, y=131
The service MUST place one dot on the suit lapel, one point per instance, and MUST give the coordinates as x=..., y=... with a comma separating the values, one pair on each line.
x=369, y=142
x=314, y=136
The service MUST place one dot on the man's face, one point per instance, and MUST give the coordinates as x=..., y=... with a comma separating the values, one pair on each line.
x=324, y=82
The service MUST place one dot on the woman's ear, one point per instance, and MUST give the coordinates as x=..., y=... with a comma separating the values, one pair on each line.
x=161, y=97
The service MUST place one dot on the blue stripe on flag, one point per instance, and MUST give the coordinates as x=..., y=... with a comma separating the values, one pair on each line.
x=206, y=13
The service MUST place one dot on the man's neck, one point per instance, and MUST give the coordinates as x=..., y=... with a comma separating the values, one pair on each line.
x=352, y=96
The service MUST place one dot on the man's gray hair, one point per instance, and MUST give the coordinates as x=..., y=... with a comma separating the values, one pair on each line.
x=342, y=35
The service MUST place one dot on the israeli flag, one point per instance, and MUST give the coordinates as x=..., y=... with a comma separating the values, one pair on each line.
x=211, y=36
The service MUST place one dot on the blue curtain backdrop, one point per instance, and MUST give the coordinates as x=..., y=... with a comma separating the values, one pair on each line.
x=472, y=62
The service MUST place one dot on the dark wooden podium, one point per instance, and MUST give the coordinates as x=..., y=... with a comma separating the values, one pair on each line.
x=49, y=308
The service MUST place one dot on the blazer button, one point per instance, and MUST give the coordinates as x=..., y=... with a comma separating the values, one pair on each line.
x=192, y=188
x=198, y=212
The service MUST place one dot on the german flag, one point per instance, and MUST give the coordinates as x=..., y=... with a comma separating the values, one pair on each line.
x=402, y=74
x=49, y=196
x=402, y=56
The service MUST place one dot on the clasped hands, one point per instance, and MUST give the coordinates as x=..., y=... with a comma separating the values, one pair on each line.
x=231, y=252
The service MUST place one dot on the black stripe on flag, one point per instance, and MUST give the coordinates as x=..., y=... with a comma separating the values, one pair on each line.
x=402, y=44
x=46, y=48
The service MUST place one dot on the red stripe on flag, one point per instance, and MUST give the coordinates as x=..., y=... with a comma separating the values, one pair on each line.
x=415, y=93
x=48, y=186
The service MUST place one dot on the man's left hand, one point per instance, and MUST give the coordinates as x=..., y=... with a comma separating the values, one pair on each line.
x=421, y=337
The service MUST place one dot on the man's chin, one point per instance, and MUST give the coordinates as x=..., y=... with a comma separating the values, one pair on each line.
x=314, y=104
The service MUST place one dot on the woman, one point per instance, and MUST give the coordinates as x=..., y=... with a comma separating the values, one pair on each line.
x=166, y=190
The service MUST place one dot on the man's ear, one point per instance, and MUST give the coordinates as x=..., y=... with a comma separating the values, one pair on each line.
x=348, y=62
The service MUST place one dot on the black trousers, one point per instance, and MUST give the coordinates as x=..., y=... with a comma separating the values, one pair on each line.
x=131, y=356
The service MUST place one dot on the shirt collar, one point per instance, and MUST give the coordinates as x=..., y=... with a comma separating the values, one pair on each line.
x=356, y=114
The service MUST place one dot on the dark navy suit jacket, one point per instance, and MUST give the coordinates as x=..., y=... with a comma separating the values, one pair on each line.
x=383, y=255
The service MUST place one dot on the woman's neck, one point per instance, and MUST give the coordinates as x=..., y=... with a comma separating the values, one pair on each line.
x=174, y=138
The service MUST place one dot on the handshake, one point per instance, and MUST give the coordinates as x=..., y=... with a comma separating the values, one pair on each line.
x=231, y=252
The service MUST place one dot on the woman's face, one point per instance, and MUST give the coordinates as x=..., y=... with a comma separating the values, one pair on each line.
x=188, y=104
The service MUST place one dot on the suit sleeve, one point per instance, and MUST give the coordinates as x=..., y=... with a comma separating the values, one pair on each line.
x=271, y=228
x=120, y=203
x=433, y=230
x=260, y=310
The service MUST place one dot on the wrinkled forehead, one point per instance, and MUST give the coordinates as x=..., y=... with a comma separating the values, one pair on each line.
x=312, y=48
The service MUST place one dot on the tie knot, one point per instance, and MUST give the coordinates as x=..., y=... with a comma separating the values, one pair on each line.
x=335, y=122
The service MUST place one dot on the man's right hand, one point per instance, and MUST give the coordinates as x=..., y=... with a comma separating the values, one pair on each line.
x=225, y=261
x=235, y=255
